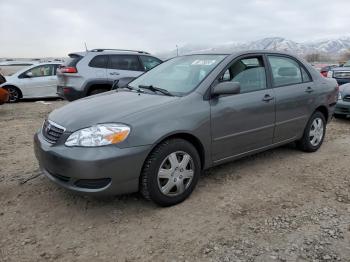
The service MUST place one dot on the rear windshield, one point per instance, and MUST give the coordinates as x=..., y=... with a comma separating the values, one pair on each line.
x=72, y=60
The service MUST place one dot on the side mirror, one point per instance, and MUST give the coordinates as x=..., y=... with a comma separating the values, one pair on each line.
x=226, y=88
x=29, y=74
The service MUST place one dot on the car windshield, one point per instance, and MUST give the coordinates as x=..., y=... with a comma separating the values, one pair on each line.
x=179, y=75
x=347, y=64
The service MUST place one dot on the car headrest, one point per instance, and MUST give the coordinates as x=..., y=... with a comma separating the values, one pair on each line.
x=287, y=71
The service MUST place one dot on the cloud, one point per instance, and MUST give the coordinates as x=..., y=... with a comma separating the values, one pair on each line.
x=46, y=28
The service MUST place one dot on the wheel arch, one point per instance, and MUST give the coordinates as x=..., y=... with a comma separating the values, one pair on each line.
x=324, y=110
x=195, y=141
x=12, y=85
x=94, y=85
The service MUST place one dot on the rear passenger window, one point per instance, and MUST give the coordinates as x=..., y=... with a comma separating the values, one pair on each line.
x=124, y=62
x=305, y=75
x=249, y=72
x=285, y=71
x=149, y=62
x=99, y=61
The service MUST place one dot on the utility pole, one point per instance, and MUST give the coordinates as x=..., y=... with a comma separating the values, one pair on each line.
x=177, y=50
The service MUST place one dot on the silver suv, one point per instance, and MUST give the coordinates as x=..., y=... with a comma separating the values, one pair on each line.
x=94, y=71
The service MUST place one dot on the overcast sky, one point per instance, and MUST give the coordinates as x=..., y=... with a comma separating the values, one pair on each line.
x=38, y=28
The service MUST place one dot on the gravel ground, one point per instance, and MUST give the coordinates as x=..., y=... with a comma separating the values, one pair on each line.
x=281, y=205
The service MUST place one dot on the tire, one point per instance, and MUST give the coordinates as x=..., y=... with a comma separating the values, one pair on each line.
x=317, y=126
x=175, y=182
x=339, y=116
x=14, y=94
x=97, y=91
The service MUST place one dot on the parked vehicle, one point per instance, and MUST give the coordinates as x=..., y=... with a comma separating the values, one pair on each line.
x=160, y=131
x=35, y=81
x=93, y=72
x=341, y=74
x=342, y=109
x=324, y=70
x=4, y=96
x=2, y=79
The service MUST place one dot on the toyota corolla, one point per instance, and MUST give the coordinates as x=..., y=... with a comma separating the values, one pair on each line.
x=158, y=133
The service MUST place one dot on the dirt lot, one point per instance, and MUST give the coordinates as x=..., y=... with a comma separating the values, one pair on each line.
x=281, y=205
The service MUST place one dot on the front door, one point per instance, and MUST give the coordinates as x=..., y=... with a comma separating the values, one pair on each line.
x=40, y=81
x=244, y=122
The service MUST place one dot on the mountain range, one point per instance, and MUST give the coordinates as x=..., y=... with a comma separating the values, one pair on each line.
x=328, y=47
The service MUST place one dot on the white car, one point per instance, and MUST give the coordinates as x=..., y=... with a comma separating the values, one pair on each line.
x=35, y=81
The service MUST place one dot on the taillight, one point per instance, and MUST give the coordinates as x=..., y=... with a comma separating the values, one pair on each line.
x=68, y=69
x=324, y=73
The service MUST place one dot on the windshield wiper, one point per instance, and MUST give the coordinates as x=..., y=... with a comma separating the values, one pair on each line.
x=156, y=89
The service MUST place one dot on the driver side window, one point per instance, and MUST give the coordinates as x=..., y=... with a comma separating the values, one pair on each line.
x=40, y=71
x=249, y=72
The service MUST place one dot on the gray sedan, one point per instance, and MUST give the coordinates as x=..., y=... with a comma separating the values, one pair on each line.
x=158, y=133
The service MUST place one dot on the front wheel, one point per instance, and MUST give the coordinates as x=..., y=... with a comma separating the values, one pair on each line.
x=14, y=94
x=171, y=172
x=314, y=133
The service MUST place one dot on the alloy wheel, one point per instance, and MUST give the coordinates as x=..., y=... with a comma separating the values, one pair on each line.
x=316, y=132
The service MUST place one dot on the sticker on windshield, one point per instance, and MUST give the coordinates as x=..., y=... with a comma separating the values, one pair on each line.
x=203, y=62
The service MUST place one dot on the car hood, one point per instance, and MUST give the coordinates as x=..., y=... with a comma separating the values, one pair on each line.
x=345, y=89
x=341, y=68
x=109, y=107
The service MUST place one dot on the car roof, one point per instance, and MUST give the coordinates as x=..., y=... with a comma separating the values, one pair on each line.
x=110, y=51
x=244, y=52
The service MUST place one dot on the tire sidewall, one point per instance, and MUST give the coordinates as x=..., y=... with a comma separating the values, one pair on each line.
x=8, y=88
x=154, y=190
x=307, y=131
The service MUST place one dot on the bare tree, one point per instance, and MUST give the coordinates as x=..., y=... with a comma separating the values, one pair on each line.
x=314, y=57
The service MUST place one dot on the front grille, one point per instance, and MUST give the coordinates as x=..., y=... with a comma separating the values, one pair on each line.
x=347, y=98
x=342, y=74
x=51, y=131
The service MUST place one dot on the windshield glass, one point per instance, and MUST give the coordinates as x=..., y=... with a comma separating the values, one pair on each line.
x=347, y=64
x=179, y=75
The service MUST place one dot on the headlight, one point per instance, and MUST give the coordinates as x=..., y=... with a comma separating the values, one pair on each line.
x=330, y=74
x=339, y=96
x=99, y=135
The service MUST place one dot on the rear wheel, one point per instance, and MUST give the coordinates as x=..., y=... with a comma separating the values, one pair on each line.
x=170, y=172
x=314, y=133
x=14, y=94
x=97, y=91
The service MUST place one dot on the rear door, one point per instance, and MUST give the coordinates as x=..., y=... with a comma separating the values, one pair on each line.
x=120, y=66
x=244, y=122
x=295, y=94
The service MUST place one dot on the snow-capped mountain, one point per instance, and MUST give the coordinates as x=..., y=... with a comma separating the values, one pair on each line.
x=333, y=47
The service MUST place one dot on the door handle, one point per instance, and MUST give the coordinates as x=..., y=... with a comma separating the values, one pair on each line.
x=309, y=90
x=114, y=73
x=267, y=98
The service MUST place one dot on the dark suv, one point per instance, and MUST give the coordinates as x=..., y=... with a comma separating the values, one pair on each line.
x=92, y=72
x=341, y=74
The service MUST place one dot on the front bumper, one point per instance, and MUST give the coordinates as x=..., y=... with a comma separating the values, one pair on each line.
x=69, y=93
x=102, y=171
x=342, y=81
x=342, y=108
